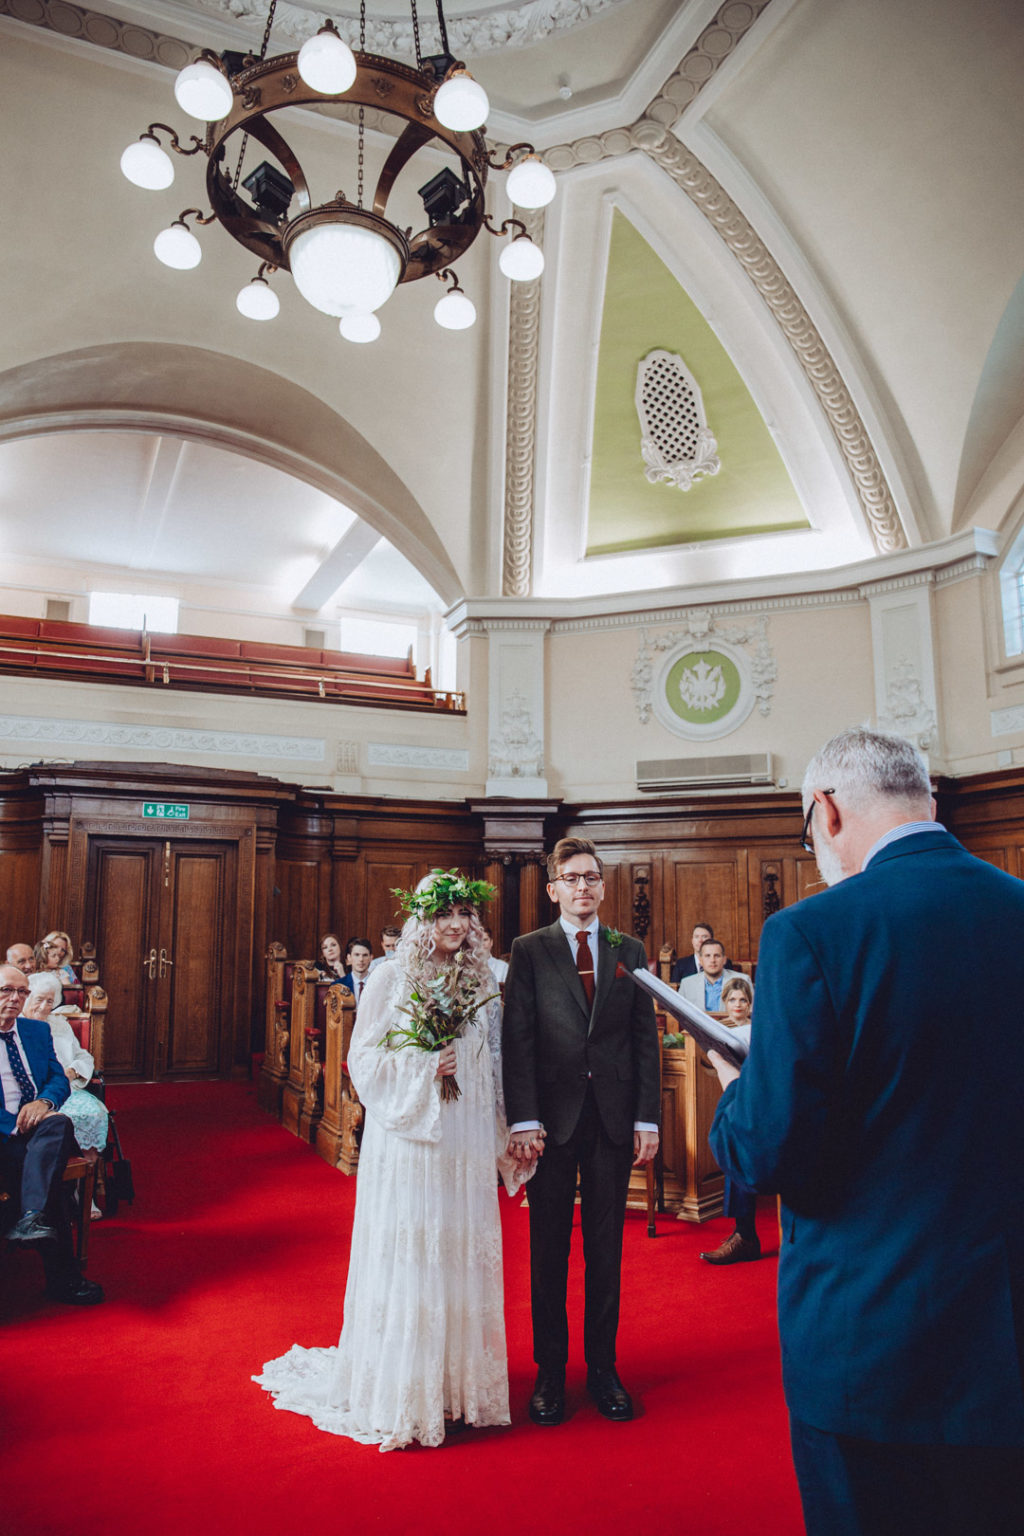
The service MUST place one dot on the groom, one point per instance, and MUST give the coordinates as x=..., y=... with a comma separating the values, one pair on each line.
x=582, y=1090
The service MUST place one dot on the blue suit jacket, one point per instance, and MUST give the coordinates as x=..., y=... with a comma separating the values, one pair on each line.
x=47, y=1072
x=884, y=1100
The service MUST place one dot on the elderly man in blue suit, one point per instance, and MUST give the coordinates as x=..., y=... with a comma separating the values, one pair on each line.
x=883, y=1098
x=36, y=1141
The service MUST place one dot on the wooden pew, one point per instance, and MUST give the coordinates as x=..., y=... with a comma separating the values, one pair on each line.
x=693, y=1183
x=274, y=1071
x=337, y=1136
x=300, y=1018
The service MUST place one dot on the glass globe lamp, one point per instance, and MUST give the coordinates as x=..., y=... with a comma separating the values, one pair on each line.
x=326, y=62
x=359, y=327
x=258, y=301
x=178, y=247
x=204, y=92
x=454, y=311
x=343, y=268
x=461, y=103
x=530, y=184
x=147, y=165
x=521, y=260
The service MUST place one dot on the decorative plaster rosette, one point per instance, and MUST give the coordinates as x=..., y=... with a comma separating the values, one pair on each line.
x=512, y=25
x=709, y=678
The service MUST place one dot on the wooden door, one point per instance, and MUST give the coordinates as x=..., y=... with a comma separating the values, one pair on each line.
x=164, y=920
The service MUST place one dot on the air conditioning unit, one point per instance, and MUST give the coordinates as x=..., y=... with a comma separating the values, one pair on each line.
x=741, y=771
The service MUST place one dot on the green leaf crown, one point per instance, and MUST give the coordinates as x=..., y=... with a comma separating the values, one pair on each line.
x=446, y=888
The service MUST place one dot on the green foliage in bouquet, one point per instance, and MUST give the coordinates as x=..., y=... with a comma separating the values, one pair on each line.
x=439, y=1011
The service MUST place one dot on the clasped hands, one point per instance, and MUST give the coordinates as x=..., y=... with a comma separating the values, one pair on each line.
x=527, y=1146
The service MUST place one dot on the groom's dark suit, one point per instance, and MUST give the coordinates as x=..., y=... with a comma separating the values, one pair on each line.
x=588, y=1075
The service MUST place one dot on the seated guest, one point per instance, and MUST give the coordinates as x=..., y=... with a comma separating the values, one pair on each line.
x=85, y=1111
x=705, y=989
x=499, y=968
x=330, y=963
x=359, y=956
x=36, y=1142
x=23, y=956
x=743, y=1244
x=54, y=953
x=389, y=937
x=689, y=965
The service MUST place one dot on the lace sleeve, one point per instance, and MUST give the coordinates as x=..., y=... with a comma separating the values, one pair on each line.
x=513, y=1174
x=397, y=1088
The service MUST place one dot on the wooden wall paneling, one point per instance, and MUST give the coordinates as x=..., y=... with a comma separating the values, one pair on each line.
x=200, y=923
x=262, y=936
x=296, y=913
x=21, y=849
x=707, y=889
x=122, y=898
x=382, y=878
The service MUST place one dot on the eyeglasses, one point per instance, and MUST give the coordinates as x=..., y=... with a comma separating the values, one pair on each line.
x=573, y=880
x=806, y=839
x=14, y=991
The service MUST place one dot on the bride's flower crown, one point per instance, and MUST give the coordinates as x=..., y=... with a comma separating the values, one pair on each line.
x=441, y=890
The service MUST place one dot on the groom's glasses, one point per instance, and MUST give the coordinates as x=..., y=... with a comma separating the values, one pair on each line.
x=573, y=880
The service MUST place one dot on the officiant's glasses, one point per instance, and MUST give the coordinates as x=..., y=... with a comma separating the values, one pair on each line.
x=806, y=838
x=588, y=879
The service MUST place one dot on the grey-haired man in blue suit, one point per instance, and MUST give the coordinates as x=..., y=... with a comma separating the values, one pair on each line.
x=36, y=1142
x=883, y=1098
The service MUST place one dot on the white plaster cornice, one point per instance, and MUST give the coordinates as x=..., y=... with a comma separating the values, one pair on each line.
x=950, y=559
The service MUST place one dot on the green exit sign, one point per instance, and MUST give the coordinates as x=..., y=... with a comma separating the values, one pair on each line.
x=159, y=811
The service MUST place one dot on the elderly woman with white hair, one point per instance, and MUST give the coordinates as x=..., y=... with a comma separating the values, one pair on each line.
x=86, y=1112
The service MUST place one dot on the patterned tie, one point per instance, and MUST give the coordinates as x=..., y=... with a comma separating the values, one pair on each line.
x=584, y=964
x=21, y=1077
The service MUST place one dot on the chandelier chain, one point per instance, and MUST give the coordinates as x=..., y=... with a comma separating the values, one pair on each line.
x=362, y=24
x=238, y=167
x=266, y=30
x=444, y=29
x=416, y=35
x=362, y=139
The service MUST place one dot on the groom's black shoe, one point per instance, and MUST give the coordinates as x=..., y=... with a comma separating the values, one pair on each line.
x=547, y=1405
x=609, y=1394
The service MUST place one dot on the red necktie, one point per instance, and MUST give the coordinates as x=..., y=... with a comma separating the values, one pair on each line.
x=584, y=964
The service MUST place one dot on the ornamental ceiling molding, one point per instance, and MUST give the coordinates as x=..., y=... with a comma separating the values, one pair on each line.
x=521, y=427
x=512, y=25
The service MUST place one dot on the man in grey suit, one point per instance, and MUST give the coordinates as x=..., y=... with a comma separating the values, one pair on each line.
x=582, y=1094
x=705, y=989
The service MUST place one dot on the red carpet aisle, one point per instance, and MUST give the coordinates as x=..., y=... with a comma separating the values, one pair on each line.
x=139, y=1416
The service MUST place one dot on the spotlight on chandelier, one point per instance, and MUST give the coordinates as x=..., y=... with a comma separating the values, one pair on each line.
x=346, y=256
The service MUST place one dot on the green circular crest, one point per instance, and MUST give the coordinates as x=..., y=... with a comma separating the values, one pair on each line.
x=703, y=687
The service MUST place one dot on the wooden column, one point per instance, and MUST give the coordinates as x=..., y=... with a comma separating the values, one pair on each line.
x=336, y=1135
x=301, y=1017
x=274, y=1070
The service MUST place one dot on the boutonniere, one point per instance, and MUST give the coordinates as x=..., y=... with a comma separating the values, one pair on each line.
x=612, y=937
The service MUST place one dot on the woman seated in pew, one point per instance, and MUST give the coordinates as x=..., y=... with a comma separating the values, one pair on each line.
x=743, y=1243
x=54, y=953
x=86, y=1112
x=423, y=1342
x=331, y=961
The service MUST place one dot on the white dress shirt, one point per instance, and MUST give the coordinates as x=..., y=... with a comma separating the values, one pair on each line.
x=8, y=1082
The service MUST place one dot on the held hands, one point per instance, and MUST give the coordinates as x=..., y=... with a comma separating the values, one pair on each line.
x=526, y=1146
x=645, y=1147
x=727, y=1073
x=446, y=1062
x=29, y=1115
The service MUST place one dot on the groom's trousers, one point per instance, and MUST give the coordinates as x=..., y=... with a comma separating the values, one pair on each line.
x=603, y=1167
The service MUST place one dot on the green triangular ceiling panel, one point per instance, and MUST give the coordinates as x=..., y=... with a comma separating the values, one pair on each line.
x=646, y=309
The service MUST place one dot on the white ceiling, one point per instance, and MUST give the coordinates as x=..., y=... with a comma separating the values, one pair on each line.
x=163, y=507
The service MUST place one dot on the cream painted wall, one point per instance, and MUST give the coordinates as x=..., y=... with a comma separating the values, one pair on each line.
x=419, y=395
x=319, y=745
x=824, y=683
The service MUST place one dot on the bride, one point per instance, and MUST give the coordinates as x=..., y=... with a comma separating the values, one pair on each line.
x=423, y=1340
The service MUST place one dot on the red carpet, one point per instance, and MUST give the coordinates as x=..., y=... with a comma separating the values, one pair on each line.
x=139, y=1416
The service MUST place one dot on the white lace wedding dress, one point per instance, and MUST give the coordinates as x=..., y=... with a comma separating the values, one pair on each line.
x=424, y=1324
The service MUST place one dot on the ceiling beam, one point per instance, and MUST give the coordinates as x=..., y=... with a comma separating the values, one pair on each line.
x=346, y=556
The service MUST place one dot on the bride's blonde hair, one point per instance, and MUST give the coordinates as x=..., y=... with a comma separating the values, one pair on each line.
x=416, y=950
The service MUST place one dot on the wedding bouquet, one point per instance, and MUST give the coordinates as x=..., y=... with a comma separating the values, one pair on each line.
x=439, y=1011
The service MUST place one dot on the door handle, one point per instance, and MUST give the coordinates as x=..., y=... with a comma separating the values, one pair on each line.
x=151, y=963
x=165, y=963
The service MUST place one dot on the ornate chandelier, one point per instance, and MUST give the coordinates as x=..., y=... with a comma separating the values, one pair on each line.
x=346, y=257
